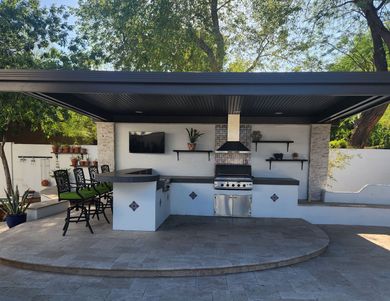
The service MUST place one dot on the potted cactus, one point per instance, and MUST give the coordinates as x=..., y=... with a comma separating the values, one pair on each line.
x=193, y=136
x=15, y=207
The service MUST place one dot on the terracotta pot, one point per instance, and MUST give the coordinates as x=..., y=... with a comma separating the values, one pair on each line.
x=74, y=161
x=45, y=182
x=84, y=151
x=55, y=148
x=65, y=149
x=84, y=163
x=95, y=163
x=191, y=146
x=295, y=156
x=77, y=149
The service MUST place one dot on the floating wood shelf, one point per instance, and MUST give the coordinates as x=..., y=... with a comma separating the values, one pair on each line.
x=287, y=142
x=178, y=151
x=82, y=154
x=270, y=160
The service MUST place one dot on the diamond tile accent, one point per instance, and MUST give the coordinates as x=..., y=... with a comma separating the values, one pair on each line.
x=134, y=206
x=193, y=195
x=274, y=197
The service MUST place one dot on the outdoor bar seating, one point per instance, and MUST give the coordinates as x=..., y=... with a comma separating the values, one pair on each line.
x=103, y=188
x=78, y=199
x=98, y=189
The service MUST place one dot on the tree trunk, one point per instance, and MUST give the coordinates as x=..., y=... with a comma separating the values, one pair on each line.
x=4, y=161
x=370, y=118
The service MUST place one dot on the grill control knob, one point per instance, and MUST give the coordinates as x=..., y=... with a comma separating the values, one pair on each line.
x=238, y=185
x=233, y=185
x=243, y=185
x=222, y=185
x=227, y=185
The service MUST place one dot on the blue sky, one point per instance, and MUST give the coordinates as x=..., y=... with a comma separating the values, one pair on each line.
x=56, y=2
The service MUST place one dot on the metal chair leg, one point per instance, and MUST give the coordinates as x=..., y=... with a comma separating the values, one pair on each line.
x=86, y=214
x=67, y=220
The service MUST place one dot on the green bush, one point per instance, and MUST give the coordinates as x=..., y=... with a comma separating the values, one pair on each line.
x=341, y=143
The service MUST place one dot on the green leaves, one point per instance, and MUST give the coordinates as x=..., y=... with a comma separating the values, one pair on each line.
x=13, y=204
x=193, y=135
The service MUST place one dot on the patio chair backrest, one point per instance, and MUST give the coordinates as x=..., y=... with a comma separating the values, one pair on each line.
x=93, y=171
x=62, y=180
x=105, y=168
x=79, y=177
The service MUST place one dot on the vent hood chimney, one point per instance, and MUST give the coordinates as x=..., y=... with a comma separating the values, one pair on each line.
x=233, y=143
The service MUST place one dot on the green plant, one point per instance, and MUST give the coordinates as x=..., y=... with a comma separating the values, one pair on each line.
x=193, y=134
x=13, y=205
x=338, y=144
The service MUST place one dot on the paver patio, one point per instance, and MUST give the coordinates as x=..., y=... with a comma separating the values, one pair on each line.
x=353, y=268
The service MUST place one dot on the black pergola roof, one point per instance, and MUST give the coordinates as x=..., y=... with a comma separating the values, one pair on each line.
x=204, y=97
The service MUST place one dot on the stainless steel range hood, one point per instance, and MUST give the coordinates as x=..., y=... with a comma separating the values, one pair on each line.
x=233, y=143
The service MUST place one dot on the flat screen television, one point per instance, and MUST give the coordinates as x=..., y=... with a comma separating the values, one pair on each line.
x=147, y=142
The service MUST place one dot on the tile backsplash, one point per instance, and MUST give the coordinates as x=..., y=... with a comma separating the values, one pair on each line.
x=233, y=158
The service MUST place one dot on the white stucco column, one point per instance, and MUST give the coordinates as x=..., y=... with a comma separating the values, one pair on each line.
x=106, y=143
x=319, y=157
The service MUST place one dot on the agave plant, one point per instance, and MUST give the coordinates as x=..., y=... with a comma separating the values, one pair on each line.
x=13, y=204
x=193, y=135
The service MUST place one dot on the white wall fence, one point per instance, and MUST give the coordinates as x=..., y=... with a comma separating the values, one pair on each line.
x=361, y=167
x=28, y=173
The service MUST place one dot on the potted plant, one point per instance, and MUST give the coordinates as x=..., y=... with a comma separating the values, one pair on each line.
x=45, y=182
x=95, y=163
x=83, y=151
x=77, y=149
x=74, y=160
x=295, y=156
x=65, y=148
x=14, y=207
x=193, y=136
x=55, y=148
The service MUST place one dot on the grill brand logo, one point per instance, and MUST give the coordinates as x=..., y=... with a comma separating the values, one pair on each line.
x=134, y=206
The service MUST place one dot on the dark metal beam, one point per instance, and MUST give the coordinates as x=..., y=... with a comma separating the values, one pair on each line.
x=73, y=104
x=362, y=106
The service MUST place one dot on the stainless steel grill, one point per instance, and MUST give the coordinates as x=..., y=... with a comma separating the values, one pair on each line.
x=233, y=177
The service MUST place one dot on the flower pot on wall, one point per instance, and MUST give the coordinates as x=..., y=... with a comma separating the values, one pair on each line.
x=15, y=219
x=66, y=149
x=55, y=148
x=45, y=182
x=191, y=146
x=74, y=162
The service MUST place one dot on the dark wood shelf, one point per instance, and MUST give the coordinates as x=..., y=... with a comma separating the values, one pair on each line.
x=178, y=151
x=270, y=160
x=287, y=142
x=82, y=154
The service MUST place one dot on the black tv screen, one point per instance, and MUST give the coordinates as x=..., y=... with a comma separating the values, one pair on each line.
x=147, y=142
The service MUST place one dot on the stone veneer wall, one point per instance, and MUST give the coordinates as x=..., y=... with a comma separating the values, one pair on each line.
x=106, y=143
x=319, y=158
x=233, y=158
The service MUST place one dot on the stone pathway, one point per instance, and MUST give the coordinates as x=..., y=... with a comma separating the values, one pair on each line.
x=353, y=268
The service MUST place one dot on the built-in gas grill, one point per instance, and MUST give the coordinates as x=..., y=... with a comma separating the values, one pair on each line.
x=233, y=177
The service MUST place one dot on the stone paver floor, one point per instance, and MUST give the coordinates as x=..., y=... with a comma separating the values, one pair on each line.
x=355, y=267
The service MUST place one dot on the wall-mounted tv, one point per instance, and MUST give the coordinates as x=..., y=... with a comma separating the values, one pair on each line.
x=147, y=142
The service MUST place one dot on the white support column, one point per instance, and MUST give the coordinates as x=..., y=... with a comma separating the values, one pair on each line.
x=106, y=143
x=319, y=158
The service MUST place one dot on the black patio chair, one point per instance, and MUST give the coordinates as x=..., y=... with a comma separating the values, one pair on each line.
x=83, y=183
x=105, y=168
x=104, y=188
x=78, y=199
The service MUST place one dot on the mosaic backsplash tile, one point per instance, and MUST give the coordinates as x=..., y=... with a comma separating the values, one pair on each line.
x=233, y=158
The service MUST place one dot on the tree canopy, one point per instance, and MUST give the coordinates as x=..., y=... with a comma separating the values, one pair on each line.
x=182, y=35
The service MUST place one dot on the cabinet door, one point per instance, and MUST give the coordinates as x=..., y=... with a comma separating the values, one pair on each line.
x=241, y=205
x=223, y=205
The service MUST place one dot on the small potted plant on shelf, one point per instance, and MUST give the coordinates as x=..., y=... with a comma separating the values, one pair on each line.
x=193, y=136
x=55, y=148
x=15, y=207
x=65, y=149
x=83, y=151
x=95, y=163
x=74, y=160
x=295, y=156
x=256, y=136
x=77, y=149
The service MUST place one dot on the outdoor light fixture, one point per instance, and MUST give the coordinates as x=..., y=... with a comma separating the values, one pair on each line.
x=278, y=113
x=139, y=112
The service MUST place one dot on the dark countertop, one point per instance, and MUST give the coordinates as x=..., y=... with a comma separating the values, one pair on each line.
x=275, y=181
x=131, y=175
x=137, y=175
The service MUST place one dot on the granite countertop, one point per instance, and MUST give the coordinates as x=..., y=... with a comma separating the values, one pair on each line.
x=136, y=175
x=131, y=175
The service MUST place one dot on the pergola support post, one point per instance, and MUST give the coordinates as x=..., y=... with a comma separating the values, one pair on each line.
x=319, y=159
x=106, y=143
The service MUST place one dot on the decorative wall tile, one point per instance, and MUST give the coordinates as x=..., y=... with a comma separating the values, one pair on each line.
x=193, y=195
x=233, y=158
x=274, y=197
x=134, y=206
